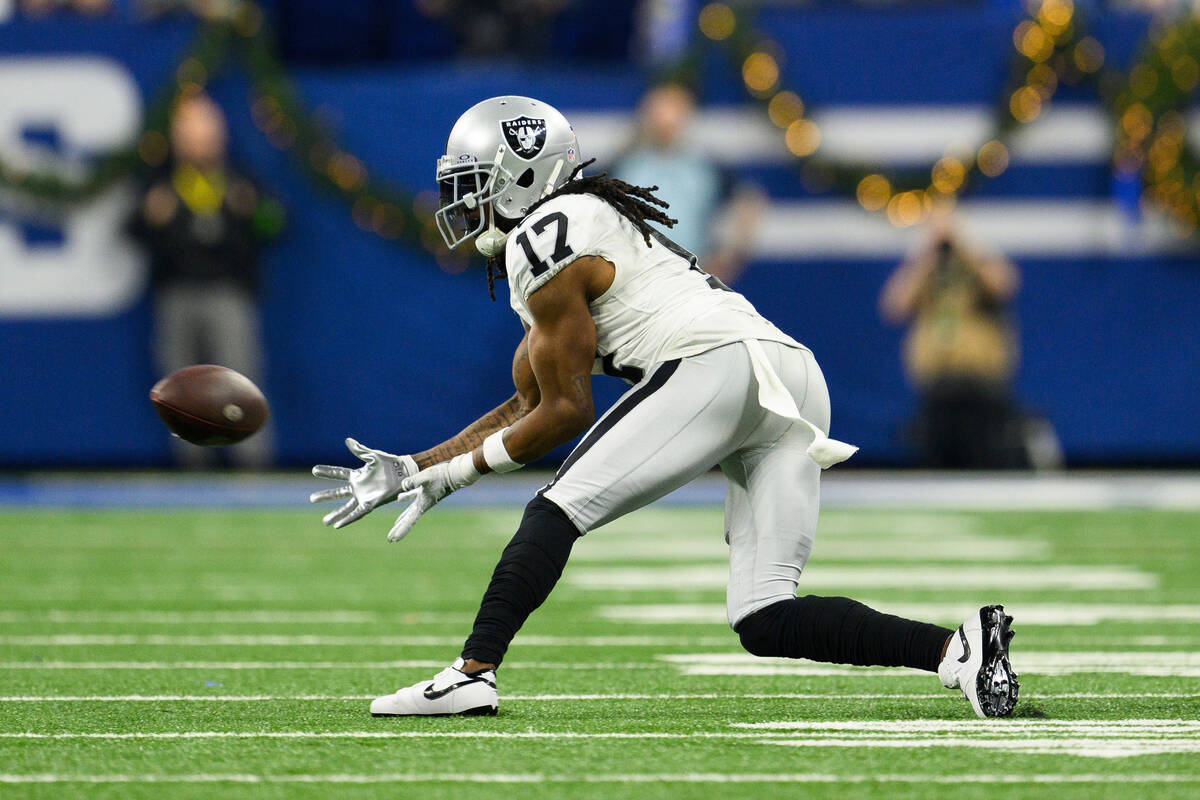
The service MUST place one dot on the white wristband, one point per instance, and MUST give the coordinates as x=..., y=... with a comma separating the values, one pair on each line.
x=461, y=471
x=495, y=454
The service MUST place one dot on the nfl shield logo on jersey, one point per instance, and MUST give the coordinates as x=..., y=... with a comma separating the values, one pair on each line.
x=525, y=135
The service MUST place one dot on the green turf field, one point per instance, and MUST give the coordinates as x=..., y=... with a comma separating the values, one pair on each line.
x=233, y=654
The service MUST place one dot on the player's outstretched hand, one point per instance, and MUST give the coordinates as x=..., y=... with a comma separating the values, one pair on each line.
x=373, y=484
x=428, y=487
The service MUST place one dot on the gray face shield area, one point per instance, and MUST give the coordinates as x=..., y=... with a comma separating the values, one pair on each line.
x=463, y=190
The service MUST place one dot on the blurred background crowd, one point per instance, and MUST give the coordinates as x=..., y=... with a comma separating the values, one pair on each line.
x=981, y=215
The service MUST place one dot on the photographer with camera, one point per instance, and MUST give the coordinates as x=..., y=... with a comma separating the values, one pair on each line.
x=961, y=350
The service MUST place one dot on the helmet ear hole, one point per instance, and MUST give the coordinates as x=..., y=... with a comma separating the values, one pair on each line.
x=526, y=179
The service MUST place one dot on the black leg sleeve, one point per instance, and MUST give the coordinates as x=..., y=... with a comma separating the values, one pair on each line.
x=841, y=631
x=529, y=567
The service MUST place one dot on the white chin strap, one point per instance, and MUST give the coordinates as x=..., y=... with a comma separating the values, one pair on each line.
x=491, y=242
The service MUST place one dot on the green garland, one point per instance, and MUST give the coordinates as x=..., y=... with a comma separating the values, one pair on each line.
x=1050, y=48
x=280, y=114
x=51, y=186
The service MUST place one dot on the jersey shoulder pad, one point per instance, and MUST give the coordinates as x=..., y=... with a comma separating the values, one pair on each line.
x=560, y=231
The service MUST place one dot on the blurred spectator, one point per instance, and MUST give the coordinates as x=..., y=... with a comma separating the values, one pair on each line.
x=696, y=189
x=485, y=28
x=204, y=9
x=961, y=350
x=664, y=30
x=42, y=8
x=198, y=222
x=1162, y=8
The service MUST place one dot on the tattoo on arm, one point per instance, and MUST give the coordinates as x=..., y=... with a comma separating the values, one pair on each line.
x=473, y=435
x=583, y=385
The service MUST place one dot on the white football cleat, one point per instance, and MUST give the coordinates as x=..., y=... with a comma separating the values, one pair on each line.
x=977, y=662
x=450, y=692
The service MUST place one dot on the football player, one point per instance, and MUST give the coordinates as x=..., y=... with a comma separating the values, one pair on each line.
x=714, y=383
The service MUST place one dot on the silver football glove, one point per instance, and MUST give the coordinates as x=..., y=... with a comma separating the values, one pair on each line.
x=373, y=484
x=430, y=486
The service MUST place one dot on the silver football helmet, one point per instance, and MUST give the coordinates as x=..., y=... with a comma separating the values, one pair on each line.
x=503, y=155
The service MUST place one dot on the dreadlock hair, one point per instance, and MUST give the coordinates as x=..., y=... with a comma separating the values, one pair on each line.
x=636, y=203
x=495, y=269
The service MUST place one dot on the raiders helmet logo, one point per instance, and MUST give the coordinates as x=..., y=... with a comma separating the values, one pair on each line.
x=526, y=136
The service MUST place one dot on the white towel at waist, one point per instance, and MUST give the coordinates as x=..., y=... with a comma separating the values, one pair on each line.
x=774, y=397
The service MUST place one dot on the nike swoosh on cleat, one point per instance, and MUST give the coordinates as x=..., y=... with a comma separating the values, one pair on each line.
x=431, y=694
x=966, y=656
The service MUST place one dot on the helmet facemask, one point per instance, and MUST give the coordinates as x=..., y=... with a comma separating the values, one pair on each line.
x=465, y=190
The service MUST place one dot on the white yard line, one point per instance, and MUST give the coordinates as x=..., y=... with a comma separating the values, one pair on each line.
x=684, y=777
x=306, y=640
x=546, y=698
x=279, y=617
x=911, y=733
x=1122, y=738
x=1033, y=614
x=1173, y=663
x=1094, y=738
x=825, y=576
x=179, y=698
x=1086, y=738
x=1013, y=726
x=267, y=665
x=1085, y=746
x=387, y=734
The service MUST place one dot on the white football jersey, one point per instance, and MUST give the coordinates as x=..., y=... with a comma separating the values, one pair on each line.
x=661, y=305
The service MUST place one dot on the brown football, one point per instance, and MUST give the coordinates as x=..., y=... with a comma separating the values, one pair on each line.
x=209, y=405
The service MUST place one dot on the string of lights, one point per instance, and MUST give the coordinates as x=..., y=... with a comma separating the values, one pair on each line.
x=1152, y=136
x=1049, y=48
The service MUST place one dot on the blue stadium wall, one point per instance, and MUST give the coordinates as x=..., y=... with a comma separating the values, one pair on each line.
x=367, y=338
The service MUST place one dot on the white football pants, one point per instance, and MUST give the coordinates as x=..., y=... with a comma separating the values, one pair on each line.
x=689, y=415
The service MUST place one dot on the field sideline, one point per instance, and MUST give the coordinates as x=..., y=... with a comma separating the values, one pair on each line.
x=183, y=652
